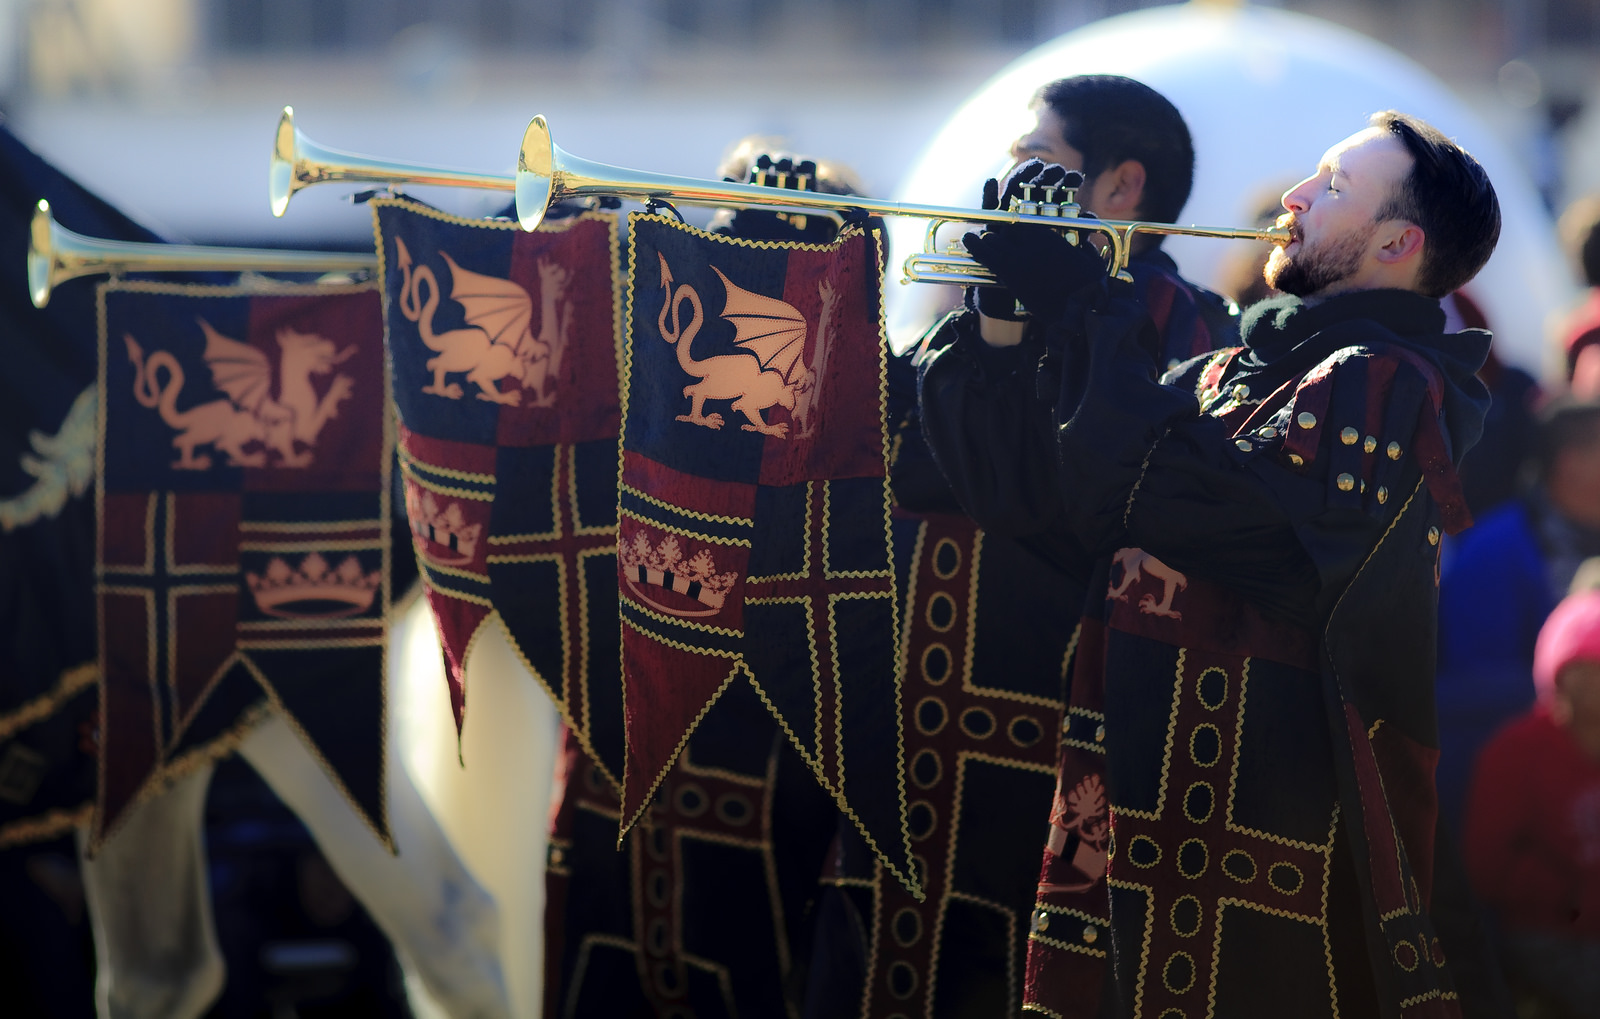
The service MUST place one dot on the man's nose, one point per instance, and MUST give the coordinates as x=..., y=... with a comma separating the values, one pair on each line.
x=1295, y=199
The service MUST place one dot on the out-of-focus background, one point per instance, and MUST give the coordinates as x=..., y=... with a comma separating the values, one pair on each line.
x=166, y=107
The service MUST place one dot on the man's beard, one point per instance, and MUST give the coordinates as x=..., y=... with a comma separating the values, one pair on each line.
x=1314, y=269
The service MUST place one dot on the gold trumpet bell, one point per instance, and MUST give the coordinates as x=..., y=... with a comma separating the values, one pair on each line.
x=41, y=254
x=298, y=162
x=536, y=162
x=282, y=181
x=56, y=254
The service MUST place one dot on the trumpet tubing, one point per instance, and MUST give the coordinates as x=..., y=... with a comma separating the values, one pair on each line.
x=56, y=254
x=298, y=162
x=547, y=174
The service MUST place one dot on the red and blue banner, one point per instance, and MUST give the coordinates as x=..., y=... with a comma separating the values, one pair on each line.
x=753, y=518
x=242, y=528
x=503, y=349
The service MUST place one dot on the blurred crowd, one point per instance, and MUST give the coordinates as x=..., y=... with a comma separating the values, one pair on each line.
x=1519, y=660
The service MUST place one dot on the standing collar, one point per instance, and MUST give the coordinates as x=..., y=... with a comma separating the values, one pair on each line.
x=1272, y=328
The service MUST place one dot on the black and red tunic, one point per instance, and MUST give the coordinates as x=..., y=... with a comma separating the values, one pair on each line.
x=1244, y=815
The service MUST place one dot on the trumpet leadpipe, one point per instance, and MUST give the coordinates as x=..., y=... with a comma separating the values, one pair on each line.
x=56, y=254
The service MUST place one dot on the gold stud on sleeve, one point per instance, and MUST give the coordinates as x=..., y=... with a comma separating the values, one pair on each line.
x=1348, y=436
x=1345, y=482
x=1394, y=451
x=1383, y=495
x=1433, y=536
x=1370, y=445
x=1306, y=419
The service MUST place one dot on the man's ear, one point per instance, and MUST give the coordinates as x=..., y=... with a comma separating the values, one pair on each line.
x=1125, y=190
x=1400, y=241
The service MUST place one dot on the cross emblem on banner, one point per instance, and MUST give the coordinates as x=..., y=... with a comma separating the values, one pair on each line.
x=818, y=587
x=1191, y=843
x=145, y=598
x=558, y=646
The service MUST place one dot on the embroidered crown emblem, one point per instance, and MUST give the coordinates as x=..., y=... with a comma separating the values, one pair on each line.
x=314, y=591
x=444, y=528
x=663, y=565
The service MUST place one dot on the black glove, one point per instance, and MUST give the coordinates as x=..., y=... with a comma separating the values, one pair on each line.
x=1036, y=265
x=758, y=224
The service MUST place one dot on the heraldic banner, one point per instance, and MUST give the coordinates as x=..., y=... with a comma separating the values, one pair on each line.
x=753, y=520
x=243, y=529
x=503, y=349
x=48, y=696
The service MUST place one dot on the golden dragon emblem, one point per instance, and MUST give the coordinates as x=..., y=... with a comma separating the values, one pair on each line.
x=248, y=422
x=498, y=340
x=770, y=370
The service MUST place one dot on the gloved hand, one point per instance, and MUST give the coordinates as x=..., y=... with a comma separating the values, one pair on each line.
x=759, y=224
x=1036, y=265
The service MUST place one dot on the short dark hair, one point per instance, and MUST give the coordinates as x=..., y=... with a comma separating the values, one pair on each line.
x=1580, y=232
x=1447, y=194
x=1110, y=118
x=1564, y=423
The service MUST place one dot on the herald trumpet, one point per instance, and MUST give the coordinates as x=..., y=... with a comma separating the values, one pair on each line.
x=298, y=162
x=547, y=174
x=56, y=254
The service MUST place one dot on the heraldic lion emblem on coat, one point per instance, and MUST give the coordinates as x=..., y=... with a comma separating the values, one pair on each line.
x=498, y=340
x=248, y=422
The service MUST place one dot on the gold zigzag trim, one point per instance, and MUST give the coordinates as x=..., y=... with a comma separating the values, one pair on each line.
x=580, y=726
x=906, y=879
x=45, y=826
x=249, y=287
x=71, y=682
x=308, y=526
x=687, y=624
x=681, y=511
x=410, y=459
x=847, y=236
x=411, y=474
x=715, y=539
x=672, y=758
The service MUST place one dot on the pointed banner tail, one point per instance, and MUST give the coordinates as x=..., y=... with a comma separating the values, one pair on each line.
x=753, y=511
x=510, y=411
x=242, y=530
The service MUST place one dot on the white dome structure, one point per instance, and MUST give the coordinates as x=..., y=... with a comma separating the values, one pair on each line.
x=1265, y=93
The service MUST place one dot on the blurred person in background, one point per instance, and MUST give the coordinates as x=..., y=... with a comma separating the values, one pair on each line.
x=1493, y=471
x=1580, y=334
x=1503, y=579
x=1532, y=835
